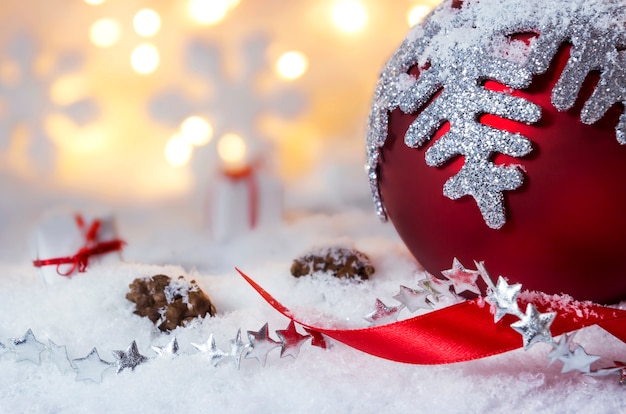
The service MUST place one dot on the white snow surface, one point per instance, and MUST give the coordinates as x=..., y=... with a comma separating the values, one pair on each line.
x=169, y=238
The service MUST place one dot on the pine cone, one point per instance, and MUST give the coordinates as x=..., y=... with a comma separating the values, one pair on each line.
x=338, y=261
x=167, y=303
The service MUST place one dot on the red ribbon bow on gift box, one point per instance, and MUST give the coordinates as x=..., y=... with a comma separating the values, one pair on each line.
x=92, y=247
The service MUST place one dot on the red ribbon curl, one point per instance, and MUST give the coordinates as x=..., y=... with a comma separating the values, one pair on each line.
x=92, y=247
x=461, y=332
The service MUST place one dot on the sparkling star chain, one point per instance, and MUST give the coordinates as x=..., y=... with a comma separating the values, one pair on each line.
x=92, y=367
x=532, y=325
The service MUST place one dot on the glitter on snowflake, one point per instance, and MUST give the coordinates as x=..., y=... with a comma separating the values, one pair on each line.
x=235, y=103
x=27, y=103
x=454, y=50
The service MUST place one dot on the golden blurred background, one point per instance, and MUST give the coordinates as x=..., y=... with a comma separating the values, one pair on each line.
x=78, y=79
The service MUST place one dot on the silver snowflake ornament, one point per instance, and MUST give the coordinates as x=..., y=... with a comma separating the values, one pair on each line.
x=168, y=351
x=457, y=50
x=130, y=358
x=383, y=314
x=28, y=348
x=578, y=360
x=91, y=367
x=261, y=344
x=413, y=299
x=503, y=297
x=463, y=280
x=534, y=326
x=292, y=340
x=210, y=349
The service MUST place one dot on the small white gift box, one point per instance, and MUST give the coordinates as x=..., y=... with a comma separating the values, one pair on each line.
x=242, y=201
x=65, y=244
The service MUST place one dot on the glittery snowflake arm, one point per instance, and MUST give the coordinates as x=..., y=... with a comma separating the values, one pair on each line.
x=420, y=92
x=480, y=178
x=597, y=44
x=461, y=103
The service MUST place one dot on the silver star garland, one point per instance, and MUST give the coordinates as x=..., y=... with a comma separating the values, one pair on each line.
x=430, y=293
x=291, y=341
x=168, y=351
x=463, y=280
x=213, y=353
x=58, y=355
x=457, y=50
x=414, y=299
x=131, y=358
x=237, y=350
x=383, y=314
x=261, y=344
x=28, y=348
x=532, y=325
x=578, y=360
x=91, y=367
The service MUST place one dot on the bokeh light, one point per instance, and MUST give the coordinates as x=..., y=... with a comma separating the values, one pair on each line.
x=67, y=90
x=196, y=130
x=94, y=2
x=177, y=151
x=231, y=148
x=105, y=32
x=291, y=65
x=349, y=16
x=145, y=58
x=208, y=11
x=417, y=14
x=147, y=22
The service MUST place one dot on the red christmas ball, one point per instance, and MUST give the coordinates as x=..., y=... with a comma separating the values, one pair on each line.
x=564, y=228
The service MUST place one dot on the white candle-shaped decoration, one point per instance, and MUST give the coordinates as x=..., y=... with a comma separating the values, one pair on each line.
x=242, y=197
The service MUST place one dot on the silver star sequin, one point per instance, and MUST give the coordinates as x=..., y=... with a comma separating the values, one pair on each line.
x=292, y=340
x=560, y=349
x=168, y=351
x=463, y=280
x=237, y=349
x=578, y=360
x=437, y=287
x=261, y=344
x=28, y=348
x=534, y=326
x=210, y=349
x=503, y=297
x=413, y=299
x=131, y=358
x=383, y=314
x=91, y=367
x=58, y=356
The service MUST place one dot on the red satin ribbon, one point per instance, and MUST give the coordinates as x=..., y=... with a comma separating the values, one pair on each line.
x=92, y=247
x=248, y=175
x=461, y=332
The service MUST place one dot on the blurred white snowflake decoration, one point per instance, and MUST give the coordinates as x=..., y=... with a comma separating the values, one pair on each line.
x=234, y=103
x=27, y=99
